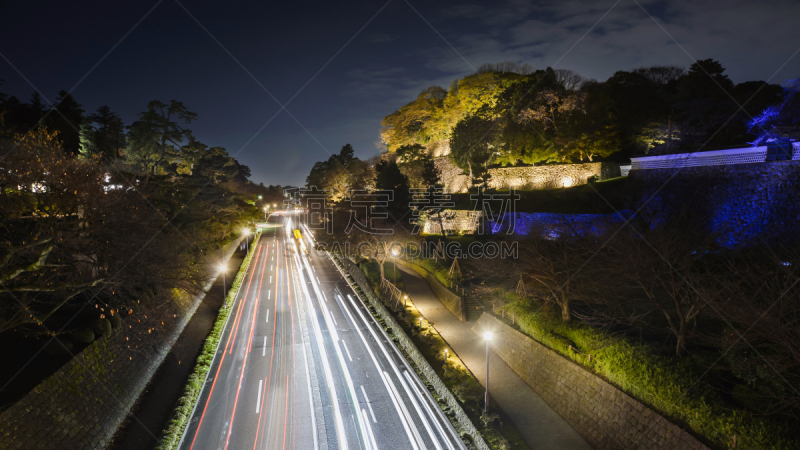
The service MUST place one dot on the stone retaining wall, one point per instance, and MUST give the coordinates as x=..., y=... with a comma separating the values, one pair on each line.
x=743, y=203
x=605, y=416
x=452, y=301
x=84, y=402
x=530, y=177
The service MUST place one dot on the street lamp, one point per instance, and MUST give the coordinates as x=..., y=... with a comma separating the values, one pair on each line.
x=247, y=241
x=224, y=287
x=395, y=252
x=487, y=337
x=265, y=212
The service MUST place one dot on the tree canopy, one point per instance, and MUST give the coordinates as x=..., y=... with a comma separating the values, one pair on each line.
x=556, y=116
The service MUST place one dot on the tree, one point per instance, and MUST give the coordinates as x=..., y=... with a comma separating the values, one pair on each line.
x=472, y=145
x=666, y=262
x=644, y=104
x=568, y=269
x=66, y=118
x=388, y=177
x=704, y=107
x=69, y=239
x=156, y=138
x=413, y=160
x=416, y=122
x=557, y=114
x=107, y=133
x=762, y=317
x=340, y=173
x=781, y=118
x=217, y=165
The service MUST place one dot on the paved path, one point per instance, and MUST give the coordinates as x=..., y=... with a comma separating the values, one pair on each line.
x=539, y=425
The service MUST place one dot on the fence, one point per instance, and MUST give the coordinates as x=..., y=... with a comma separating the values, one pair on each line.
x=423, y=367
x=713, y=158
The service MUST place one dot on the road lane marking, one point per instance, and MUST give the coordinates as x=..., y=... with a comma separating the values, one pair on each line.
x=368, y=403
x=369, y=428
x=264, y=350
x=270, y=267
x=324, y=296
x=269, y=295
x=318, y=280
x=267, y=318
x=333, y=318
x=348, y=354
x=258, y=399
x=270, y=278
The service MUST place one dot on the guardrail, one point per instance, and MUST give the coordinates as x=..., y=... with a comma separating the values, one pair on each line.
x=424, y=368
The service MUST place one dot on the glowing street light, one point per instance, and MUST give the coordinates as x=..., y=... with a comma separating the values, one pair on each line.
x=487, y=336
x=246, y=232
x=395, y=252
x=224, y=287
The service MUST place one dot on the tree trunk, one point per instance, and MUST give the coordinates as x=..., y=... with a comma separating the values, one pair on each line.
x=681, y=343
x=565, y=311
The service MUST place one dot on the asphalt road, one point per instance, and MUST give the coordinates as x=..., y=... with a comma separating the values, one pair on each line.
x=303, y=365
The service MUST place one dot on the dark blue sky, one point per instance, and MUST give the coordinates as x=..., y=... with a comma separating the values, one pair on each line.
x=345, y=65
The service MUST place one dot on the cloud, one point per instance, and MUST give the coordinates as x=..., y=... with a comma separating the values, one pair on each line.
x=748, y=38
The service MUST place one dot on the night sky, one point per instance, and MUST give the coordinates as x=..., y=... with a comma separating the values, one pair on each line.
x=343, y=66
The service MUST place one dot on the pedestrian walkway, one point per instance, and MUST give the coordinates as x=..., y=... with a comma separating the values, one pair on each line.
x=539, y=425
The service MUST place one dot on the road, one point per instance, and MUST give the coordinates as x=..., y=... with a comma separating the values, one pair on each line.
x=302, y=364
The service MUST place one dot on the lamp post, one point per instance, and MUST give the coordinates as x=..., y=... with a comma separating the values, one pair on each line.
x=265, y=212
x=224, y=287
x=395, y=252
x=246, y=240
x=487, y=337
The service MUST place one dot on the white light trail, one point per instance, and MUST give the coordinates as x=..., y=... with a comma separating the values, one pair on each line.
x=258, y=399
x=406, y=425
x=347, y=351
x=325, y=364
x=366, y=399
x=348, y=380
x=369, y=430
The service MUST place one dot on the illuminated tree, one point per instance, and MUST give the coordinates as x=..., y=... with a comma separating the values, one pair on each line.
x=156, y=138
x=416, y=122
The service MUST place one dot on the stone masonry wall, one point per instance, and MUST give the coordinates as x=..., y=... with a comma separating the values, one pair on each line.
x=532, y=177
x=453, y=220
x=741, y=202
x=605, y=416
x=84, y=402
x=452, y=301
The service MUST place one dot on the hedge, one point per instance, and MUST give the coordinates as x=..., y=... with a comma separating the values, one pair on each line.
x=171, y=436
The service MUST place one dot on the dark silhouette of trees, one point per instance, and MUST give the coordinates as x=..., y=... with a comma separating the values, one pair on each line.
x=156, y=138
